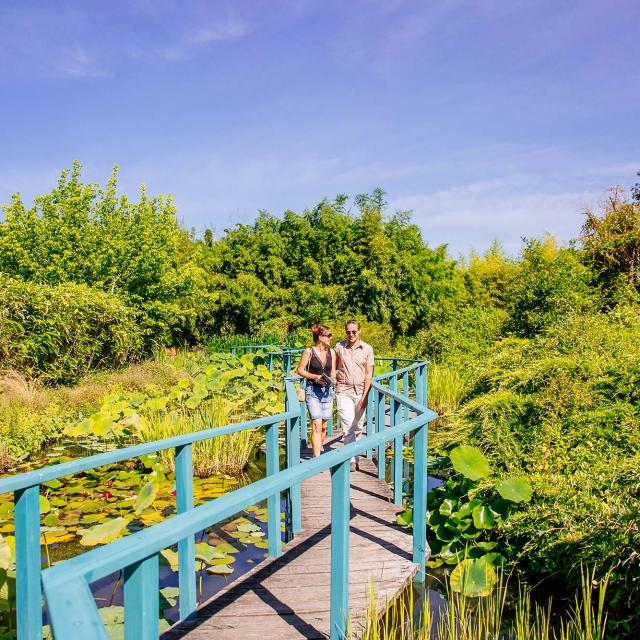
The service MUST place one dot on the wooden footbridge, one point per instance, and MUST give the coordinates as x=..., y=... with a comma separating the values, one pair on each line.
x=317, y=586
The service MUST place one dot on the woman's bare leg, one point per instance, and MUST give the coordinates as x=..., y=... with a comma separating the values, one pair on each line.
x=316, y=438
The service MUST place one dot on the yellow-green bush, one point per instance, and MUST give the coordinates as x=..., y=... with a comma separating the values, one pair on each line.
x=61, y=332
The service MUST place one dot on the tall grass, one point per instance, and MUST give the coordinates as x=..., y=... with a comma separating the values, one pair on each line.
x=18, y=389
x=227, y=454
x=461, y=618
x=447, y=386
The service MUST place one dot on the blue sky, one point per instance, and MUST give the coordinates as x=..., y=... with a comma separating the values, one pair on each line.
x=487, y=119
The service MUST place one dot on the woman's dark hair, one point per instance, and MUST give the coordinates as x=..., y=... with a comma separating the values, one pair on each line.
x=318, y=330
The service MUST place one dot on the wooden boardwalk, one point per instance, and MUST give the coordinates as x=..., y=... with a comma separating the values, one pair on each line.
x=288, y=597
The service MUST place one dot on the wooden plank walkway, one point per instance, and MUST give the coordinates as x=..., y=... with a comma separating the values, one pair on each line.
x=288, y=597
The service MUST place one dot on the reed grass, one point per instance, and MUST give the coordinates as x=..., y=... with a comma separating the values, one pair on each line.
x=463, y=618
x=228, y=454
x=18, y=389
x=447, y=387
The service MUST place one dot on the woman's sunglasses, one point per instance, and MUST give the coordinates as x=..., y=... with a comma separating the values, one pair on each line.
x=327, y=335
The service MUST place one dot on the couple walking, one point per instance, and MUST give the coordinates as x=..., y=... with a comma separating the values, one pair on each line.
x=348, y=367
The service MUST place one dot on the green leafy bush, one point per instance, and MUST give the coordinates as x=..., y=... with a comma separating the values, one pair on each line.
x=61, y=332
x=563, y=410
x=551, y=284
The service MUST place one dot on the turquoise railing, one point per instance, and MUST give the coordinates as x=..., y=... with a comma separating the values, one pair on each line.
x=71, y=607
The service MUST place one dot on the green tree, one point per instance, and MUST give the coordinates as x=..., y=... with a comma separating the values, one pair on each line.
x=551, y=284
x=611, y=240
x=84, y=234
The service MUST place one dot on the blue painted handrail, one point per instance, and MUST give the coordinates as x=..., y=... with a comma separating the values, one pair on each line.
x=70, y=604
x=26, y=488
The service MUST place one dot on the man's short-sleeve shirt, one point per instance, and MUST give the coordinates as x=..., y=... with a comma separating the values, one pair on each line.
x=352, y=366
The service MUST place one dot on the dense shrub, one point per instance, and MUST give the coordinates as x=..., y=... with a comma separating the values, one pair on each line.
x=563, y=409
x=466, y=334
x=82, y=233
x=61, y=332
x=550, y=284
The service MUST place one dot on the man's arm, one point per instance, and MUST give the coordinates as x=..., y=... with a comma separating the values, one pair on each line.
x=368, y=377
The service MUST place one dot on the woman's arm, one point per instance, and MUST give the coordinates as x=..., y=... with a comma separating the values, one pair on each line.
x=304, y=361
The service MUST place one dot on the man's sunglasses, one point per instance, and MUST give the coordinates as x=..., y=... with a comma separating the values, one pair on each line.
x=352, y=332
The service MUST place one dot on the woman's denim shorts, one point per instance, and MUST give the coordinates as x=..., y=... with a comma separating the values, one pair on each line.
x=319, y=401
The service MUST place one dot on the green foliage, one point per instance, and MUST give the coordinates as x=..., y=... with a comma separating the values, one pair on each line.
x=61, y=332
x=464, y=515
x=326, y=263
x=551, y=284
x=475, y=605
x=80, y=233
x=563, y=410
x=223, y=390
x=612, y=242
x=26, y=431
x=462, y=334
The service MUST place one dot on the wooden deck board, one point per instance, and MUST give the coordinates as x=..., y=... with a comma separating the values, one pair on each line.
x=288, y=597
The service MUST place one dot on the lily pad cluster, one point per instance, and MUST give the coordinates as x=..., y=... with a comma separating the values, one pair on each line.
x=101, y=505
x=464, y=513
x=246, y=384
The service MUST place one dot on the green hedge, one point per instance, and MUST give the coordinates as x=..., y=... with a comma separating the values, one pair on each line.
x=61, y=332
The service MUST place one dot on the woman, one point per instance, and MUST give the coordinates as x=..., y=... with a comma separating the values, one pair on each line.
x=318, y=366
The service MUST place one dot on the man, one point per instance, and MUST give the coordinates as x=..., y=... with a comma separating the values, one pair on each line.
x=353, y=374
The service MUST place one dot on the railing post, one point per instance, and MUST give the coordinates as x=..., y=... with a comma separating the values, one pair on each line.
x=186, y=546
x=273, y=501
x=405, y=392
x=141, y=600
x=293, y=458
x=72, y=610
x=420, y=500
x=270, y=363
x=304, y=427
x=340, y=516
x=286, y=363
x=381, y=425
x=296, y=500
x=397, y=445
x=370, y=405
x=28, y=563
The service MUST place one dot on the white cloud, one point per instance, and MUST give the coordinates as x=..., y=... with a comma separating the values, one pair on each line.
x=77, y=62
x=472, y=215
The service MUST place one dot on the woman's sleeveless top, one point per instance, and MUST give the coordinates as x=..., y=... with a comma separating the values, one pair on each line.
x=315, y=364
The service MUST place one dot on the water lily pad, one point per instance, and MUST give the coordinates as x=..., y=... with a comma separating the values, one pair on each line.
x=6, y=554
x=470, y=462
x=103, y=533
x=482, y=517
x=220, y=569
x=515, y=489
x=45, y=505
x=171, y=558
x=90, y=506
x=51, y=520
x=204, y=551
x=473, y=577
x=146, y=496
